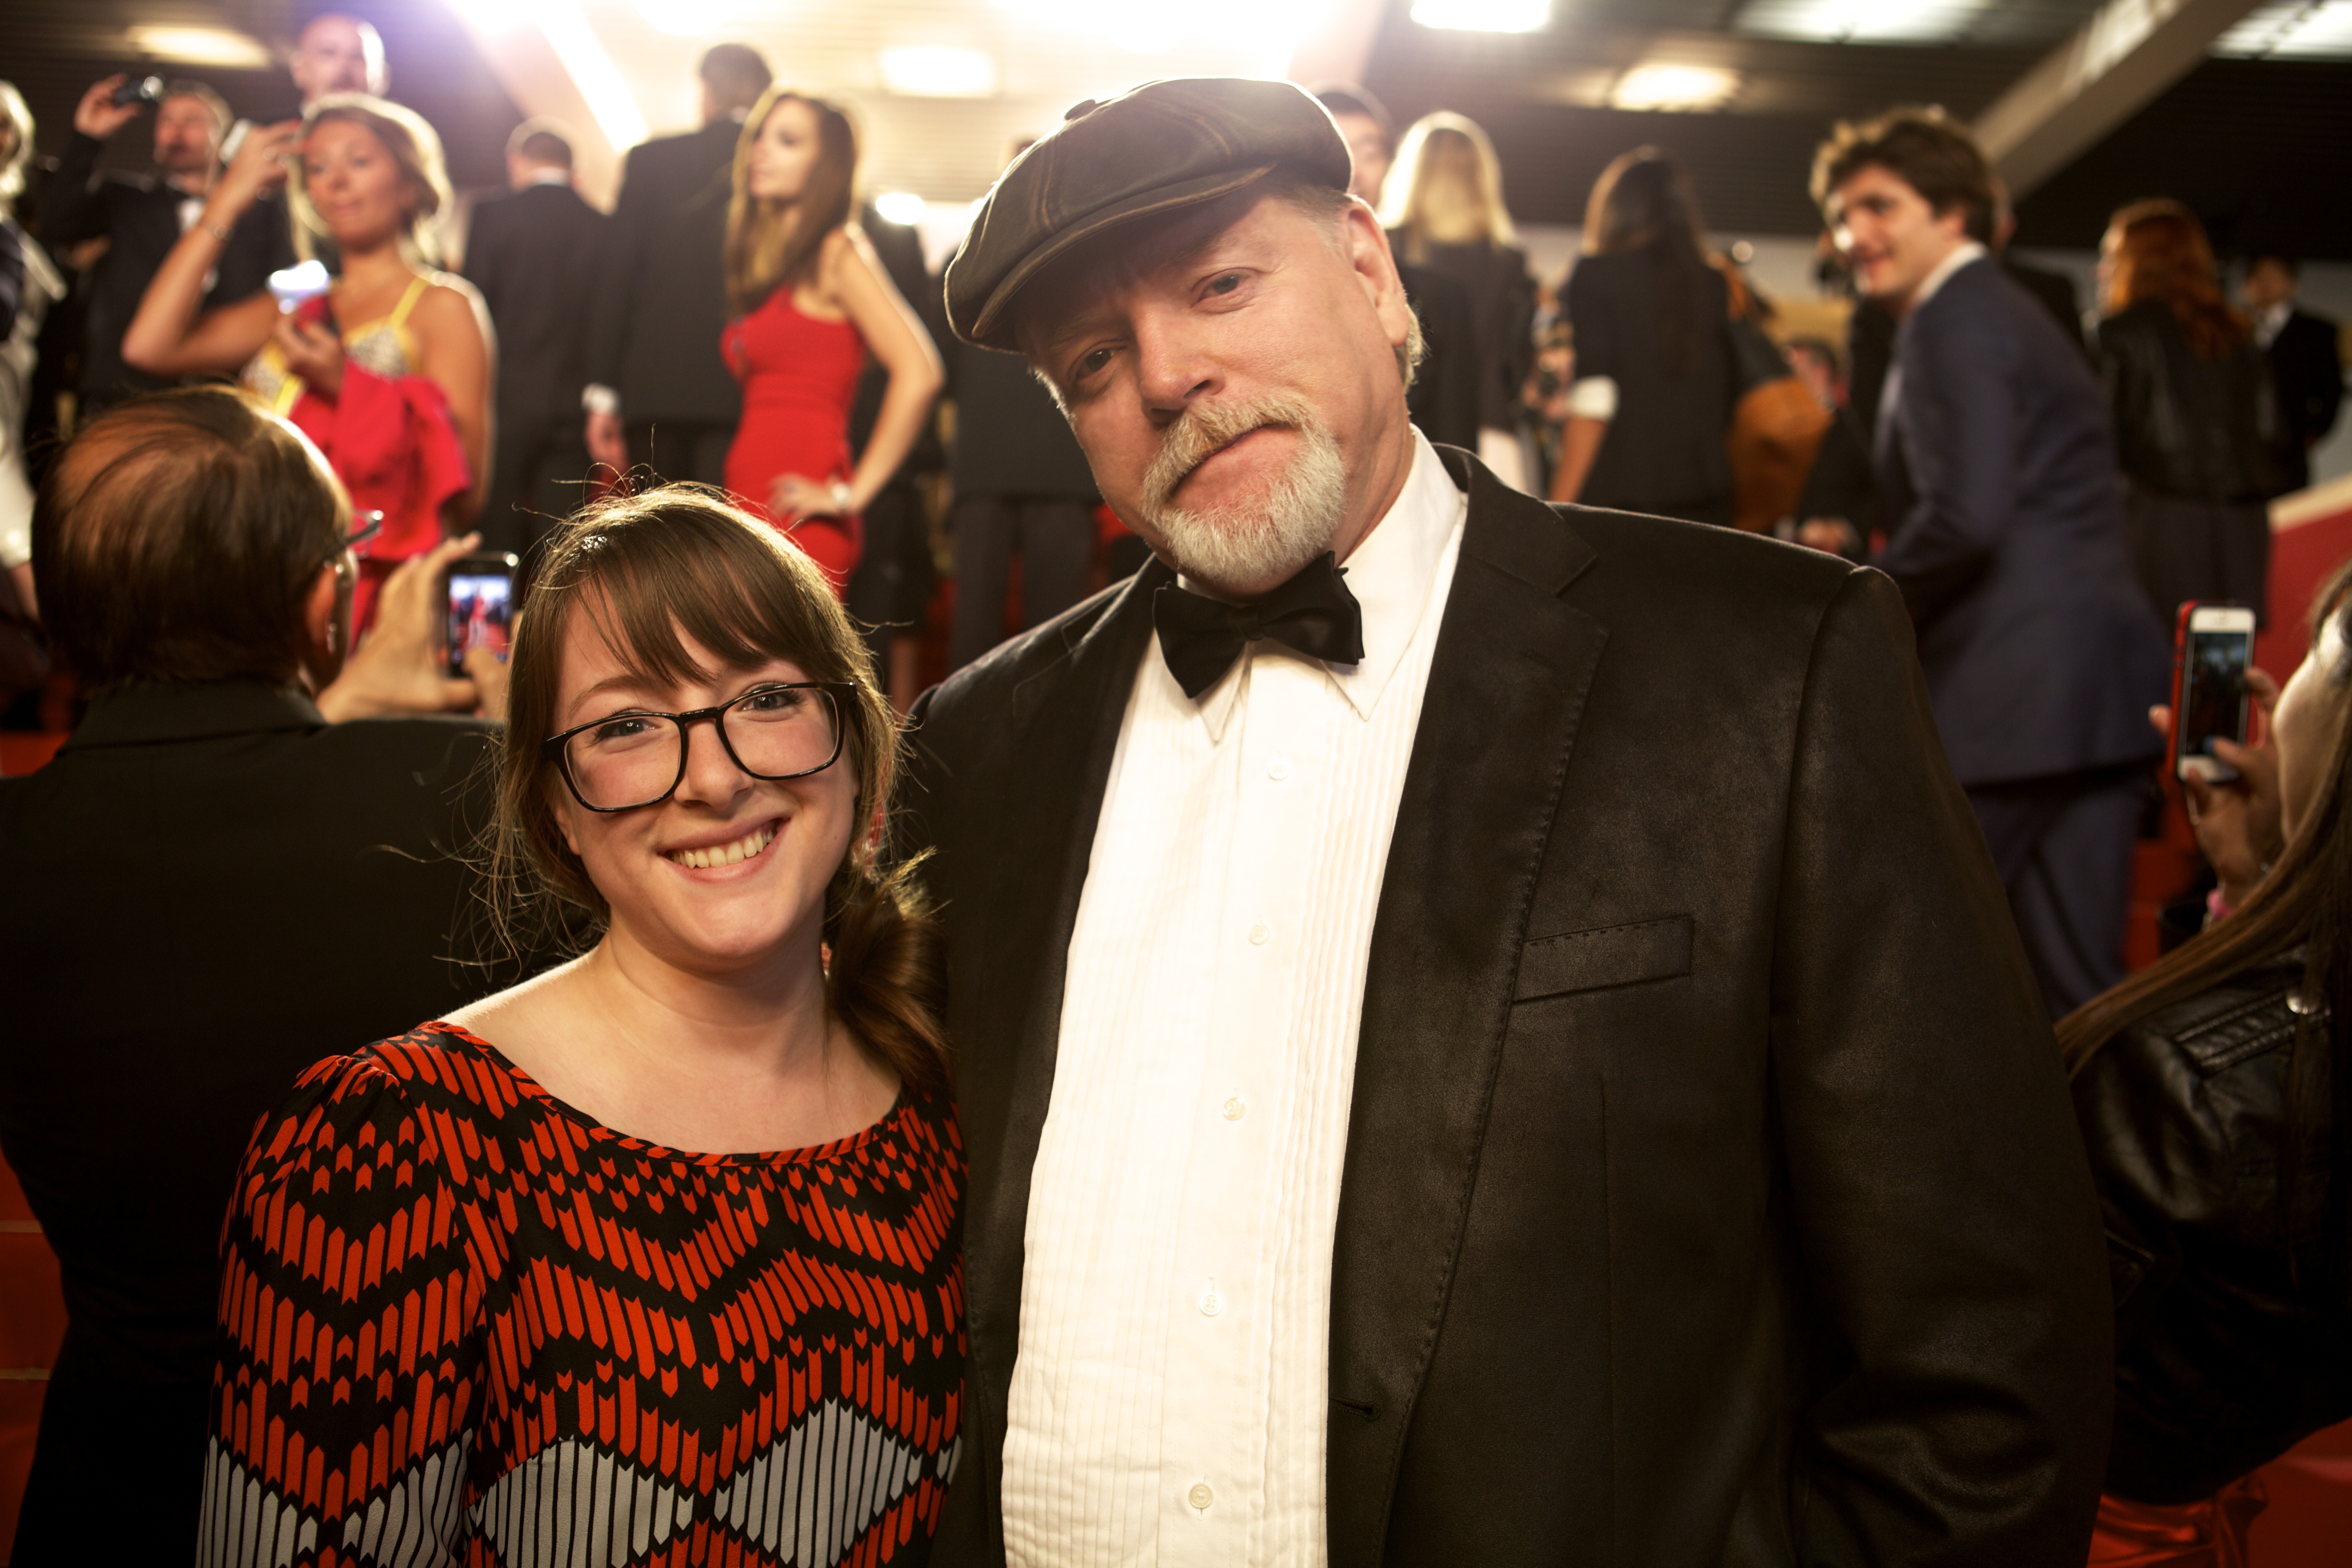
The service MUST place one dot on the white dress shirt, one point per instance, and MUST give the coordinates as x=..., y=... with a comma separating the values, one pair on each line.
x=1168, y=1402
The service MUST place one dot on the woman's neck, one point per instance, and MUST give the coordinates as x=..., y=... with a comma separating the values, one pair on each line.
x=769, y=1017
x=375, y=266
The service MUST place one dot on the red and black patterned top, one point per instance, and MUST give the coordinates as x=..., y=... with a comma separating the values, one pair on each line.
x=461, y=1322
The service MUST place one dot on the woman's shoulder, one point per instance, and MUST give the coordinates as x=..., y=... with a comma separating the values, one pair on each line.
x=2242, y=1025
x=403, y=1092
x=449, y=300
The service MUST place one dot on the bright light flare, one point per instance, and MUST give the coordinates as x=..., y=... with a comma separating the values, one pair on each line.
x=938, y=71
x=900, y=208
x=202, y=47
x=1862, y=21
x=580, y=53
x=1483, y=16
x=1673, y=88
x=686, y=18
x=1263, y=32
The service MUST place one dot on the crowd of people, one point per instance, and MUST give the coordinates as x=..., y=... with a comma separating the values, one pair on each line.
x=1488, y=998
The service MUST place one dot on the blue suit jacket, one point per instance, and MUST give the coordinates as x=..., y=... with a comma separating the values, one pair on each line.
x=2006, y=535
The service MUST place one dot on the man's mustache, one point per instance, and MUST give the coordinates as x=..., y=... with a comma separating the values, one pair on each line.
x=1205, y=429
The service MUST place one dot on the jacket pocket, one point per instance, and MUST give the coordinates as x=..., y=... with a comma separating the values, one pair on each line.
x=1612, y=955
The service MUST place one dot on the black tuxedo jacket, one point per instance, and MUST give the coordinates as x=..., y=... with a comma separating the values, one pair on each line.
x=1711, y=1193
x=533, y=256
x=661, y=289
x=139, y=218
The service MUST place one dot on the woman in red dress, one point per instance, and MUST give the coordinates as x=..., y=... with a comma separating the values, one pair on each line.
x=813, y=302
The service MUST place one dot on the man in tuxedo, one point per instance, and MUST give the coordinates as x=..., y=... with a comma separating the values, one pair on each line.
x=2307, y=366
x=533, y=256
x=336, y=53
x=659, y=394
x=2003, y=510
x=1485, y=1031
x=141, y=218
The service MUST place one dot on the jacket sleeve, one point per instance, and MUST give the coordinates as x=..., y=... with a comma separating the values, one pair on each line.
x=616, y=273
x=73, y=206
x=1937, y=1187
x=1955, y=414
x=352, y=1344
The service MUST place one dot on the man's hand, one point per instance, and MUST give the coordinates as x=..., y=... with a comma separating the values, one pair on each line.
x=2237, y=823
x=97, y=116
x=311, y=353
x=398, y=669
x=1833, y=534
x=605, y=442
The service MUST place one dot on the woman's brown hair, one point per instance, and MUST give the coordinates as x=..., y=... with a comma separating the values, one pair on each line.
x=773, y=244
x=412, y=143
x=2161, y=254
x=1645, y=202
x=641, y=570
x=2305, y=900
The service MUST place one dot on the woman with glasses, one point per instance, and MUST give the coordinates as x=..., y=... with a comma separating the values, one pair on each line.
x=656, y=1256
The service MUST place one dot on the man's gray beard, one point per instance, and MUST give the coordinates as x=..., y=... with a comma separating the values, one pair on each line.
x=1252, y=543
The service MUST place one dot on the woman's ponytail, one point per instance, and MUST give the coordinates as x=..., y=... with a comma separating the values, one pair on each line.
x=888, y=979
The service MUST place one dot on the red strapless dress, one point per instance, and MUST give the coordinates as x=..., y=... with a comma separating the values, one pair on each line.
x=800, y=376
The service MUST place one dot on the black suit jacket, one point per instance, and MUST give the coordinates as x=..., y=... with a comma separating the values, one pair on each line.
x=209, y=889
x=1711, y=1193
x=1443, y=398
x=2308, y=369
x=2003, y=502
x=139, y=218
x=661, y=289
x=533, y=256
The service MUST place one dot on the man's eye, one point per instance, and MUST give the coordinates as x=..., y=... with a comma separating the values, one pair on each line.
x=1225, y=284
x=1093, y=363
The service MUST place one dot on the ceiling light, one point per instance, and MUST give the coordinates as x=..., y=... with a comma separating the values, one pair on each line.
x=1257, y=33
x=1685, y=89
x=202, y=47
x=933, y=71
x=900, y=208
x=686, y=18
x=2292, y=29
x=1483, y=16
x=592, y=71
x=1865, y=21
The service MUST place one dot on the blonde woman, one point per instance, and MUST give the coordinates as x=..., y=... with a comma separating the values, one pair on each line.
x=812, y=301
x=1444, y=211
x=29, y=286
x=389, y=370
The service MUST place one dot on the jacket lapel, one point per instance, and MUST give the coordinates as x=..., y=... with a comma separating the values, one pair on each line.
x=1505, y=689
x=1062, y=732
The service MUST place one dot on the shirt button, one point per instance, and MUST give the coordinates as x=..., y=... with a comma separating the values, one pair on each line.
x=1211, y=1302
x=1259, y=936
x=1279, y=769
x=1201, y=1496
x=1235, y=1109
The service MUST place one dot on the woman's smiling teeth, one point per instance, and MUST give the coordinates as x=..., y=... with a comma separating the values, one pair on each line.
x=743, y=848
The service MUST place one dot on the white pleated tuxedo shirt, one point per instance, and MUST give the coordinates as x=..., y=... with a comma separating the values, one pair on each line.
x=1168, y=1402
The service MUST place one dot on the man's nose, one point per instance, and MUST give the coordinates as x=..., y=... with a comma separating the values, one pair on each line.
x=1173, y=366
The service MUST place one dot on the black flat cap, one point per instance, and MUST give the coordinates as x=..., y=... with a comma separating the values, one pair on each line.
x=1165, y=145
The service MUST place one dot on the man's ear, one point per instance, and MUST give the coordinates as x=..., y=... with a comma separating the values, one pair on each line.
x=320, y=648
x=1375, y=268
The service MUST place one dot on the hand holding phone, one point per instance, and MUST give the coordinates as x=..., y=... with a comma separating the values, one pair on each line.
x=481, y=606
x=2213, y=646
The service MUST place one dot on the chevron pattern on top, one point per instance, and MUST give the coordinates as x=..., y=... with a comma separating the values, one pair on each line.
x=461, y=1322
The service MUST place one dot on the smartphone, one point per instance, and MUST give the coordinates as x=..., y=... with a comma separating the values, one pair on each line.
x=139, y=90
x=235, y=140
x=481, y=605
x=2212, y=646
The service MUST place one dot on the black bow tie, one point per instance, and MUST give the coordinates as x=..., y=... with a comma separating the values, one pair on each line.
x=1314, y=613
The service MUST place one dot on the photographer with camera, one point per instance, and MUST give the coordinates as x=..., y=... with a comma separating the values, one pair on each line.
x=250, y=853
x=141, y=216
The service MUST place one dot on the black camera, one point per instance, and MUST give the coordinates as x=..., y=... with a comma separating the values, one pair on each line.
x=139, y=90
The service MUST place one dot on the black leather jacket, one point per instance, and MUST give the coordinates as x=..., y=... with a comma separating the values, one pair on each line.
x=2186, y=425
x=2225, y=1355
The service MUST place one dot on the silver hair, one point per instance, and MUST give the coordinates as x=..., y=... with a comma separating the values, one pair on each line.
x=16, y=127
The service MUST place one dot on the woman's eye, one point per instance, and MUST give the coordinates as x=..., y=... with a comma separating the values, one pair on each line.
x=782, y=700
x=623, y=729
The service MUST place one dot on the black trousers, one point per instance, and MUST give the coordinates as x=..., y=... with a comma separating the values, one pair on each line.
x=2063, y=848
x=1055, y=539
x=539, y=476
x=677, y=451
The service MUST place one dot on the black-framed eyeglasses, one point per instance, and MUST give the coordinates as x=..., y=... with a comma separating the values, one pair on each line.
x=365, y=525
x=784, y=730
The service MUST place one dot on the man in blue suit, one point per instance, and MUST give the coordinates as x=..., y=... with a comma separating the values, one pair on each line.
x=2005, y=532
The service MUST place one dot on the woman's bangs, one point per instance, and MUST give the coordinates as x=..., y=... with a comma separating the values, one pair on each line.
x=647, y=597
